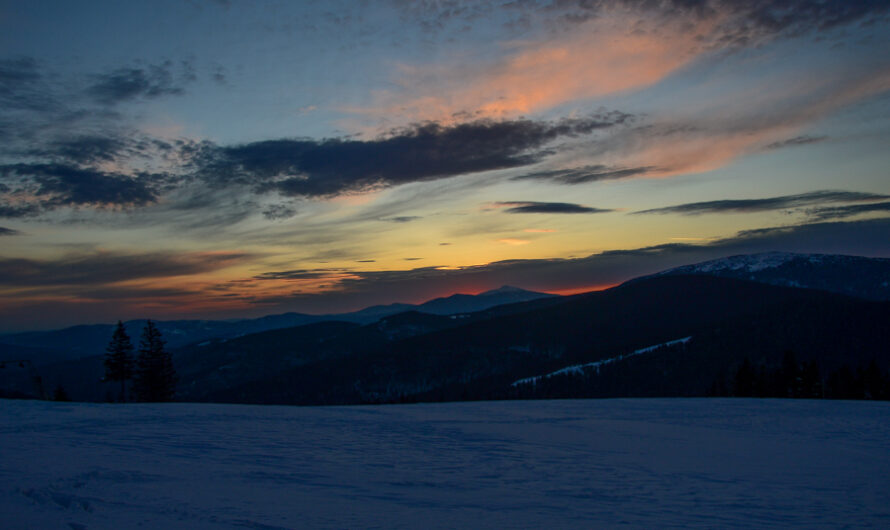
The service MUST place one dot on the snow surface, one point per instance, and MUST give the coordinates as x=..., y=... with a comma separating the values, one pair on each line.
x=581, y=368
x=648, y=463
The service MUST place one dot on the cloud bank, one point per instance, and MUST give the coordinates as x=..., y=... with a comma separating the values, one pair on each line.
x=423, y=152
x=547, y=207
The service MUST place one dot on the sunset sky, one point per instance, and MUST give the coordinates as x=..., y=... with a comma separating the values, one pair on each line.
x=221, y=159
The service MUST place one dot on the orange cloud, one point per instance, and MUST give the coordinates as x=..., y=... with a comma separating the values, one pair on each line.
x=512, y=241
x=704, y=140
x=613, y=53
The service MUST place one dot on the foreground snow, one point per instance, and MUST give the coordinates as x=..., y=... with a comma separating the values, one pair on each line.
x=546, y=464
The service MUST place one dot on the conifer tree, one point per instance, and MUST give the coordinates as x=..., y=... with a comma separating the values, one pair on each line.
x=745, y=380
x=155, y=378
x=119, y=358
x=60, y=394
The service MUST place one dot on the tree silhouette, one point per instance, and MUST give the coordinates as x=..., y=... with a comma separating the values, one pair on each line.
x=745, y=380
x=119, y=358
x=60, y=394
x=155, y=377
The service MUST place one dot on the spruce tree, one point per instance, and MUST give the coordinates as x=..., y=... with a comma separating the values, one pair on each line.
x=155, y=378
x=119, y=358
x=60, y=394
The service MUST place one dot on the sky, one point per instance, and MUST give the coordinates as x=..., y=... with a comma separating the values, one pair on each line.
x=227, y=159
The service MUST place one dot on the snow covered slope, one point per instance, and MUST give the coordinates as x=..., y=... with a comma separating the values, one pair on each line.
x=852, y=275
x=581, y=368
x=704, y=463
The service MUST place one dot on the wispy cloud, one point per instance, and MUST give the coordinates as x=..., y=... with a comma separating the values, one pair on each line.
x=106, y=268
x=147, y=82
x=599, y=48
x=33, y=188
x=684, y=142
x=303, y=274
x=602, y=56
x=767, y=204
x=796, y=141
x=279, y=211
x=585, y=174
x=20, y=87
x=841, y=212
x=8, y=231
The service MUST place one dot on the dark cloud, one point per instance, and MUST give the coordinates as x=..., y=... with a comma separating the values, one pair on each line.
x=54, y=141
x=840, y=212
x=581, y=175
x=14, y=72
x=741, y=23
x=22, y=89
x=8, y=232
x=547, y=207
x=799, y=16
x=766, y=204
x=738, y=23
x=85, y=149
x=103, y=268
x=130, y=83
x=12, y=211
x=796, y=141
x=219, y=74
x=279, y=211
x=422, y=152
x=59, y=185
x=300, y=274
x=402, y=219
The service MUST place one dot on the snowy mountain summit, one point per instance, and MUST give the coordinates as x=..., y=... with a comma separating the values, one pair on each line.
x=851, y=275
x=749, y=262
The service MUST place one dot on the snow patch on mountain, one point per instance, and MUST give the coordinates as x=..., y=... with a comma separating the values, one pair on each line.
x=858, y=276
x=746, y=262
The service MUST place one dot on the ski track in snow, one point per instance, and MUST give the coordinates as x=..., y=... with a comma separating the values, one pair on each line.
x=580, y=368
x=636, y=463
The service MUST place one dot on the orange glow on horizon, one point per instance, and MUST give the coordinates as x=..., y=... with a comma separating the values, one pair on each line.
x=579, y=290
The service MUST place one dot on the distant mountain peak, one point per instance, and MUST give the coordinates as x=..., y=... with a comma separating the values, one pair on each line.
x=505, y=289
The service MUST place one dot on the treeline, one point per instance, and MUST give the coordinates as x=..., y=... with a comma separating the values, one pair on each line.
x=805, y=380
x=150, y=368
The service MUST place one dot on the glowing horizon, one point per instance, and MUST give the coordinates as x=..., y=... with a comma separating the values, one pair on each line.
x=219, y=159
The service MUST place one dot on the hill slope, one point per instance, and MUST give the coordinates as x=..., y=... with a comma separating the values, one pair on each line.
x=727, y=319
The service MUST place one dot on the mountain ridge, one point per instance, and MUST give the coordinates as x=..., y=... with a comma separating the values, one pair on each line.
x=91, y=339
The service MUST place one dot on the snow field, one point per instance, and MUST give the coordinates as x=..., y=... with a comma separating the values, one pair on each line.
x=637, y=463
